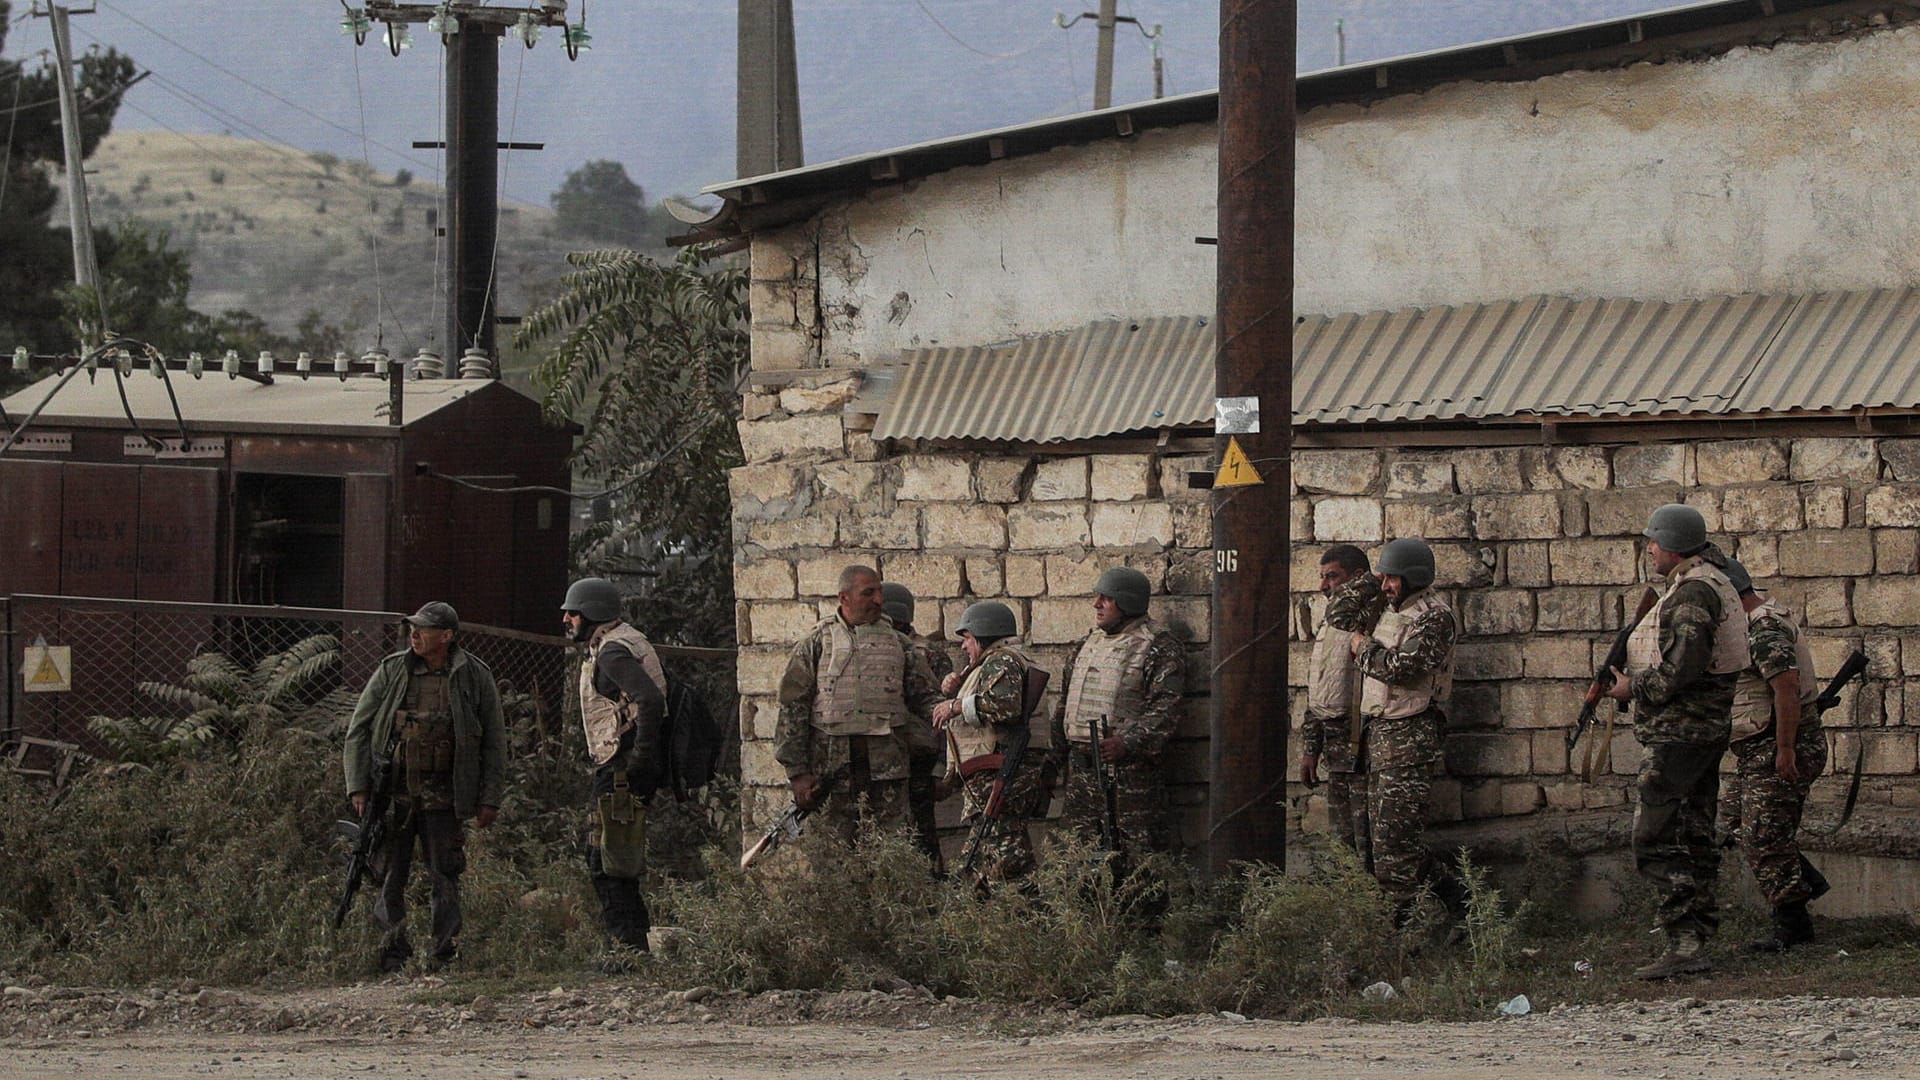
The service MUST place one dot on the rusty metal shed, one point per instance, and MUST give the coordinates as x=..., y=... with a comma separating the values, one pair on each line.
x=296, y=492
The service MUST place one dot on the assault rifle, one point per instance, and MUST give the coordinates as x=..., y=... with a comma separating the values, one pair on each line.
x=369, y=834
x=789, y=825
x=1109, y=784
x=1008, y=761
x=1597, y=693
x=1855, y=666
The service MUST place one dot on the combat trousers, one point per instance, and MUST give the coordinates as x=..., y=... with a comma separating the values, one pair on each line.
x=1397, y=801
x=921, y=806
x=442, y=841
x=1673, y=837
x=1140, y=801
x=1005, y=845
x=623, y=911
x=1348, y=815
x=862, y=798
x=1770, y=809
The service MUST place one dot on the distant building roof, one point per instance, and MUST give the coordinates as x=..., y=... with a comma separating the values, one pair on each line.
x=1516, y=359
x=217, y=403
x=1686, y=31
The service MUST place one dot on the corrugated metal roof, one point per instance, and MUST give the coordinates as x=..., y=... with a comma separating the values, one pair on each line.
x=1541, y=356
x=215, y=402
x=1103, y=378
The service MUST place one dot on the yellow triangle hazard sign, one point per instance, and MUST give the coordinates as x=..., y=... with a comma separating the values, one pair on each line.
x=48, y=668
x=48, y=674
x=1235, y=469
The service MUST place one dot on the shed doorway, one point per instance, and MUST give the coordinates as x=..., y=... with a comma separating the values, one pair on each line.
x=289, y=539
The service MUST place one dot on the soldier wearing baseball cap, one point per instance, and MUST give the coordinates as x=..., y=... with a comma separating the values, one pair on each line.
x=1684, y=660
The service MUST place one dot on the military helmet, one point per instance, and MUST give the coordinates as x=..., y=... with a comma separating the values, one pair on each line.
x=1677, y=528
x=987, y=620
x=1408, y=559
x=1126, y=587
x=595, y=598
x=1738, y=576
x=896, y=600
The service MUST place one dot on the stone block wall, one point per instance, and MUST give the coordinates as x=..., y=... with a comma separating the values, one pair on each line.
x=1032, y=530
x=1538, y=549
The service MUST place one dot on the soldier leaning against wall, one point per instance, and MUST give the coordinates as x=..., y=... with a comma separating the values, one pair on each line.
x=1331, y=732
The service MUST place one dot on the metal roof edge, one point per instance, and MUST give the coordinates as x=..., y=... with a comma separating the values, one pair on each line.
x=773, y=199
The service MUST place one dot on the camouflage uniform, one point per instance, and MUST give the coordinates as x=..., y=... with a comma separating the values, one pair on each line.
x=1151, y=693
x=1328, y=734
x=1416, y=673
x=868, y=771
x=927, y=765
x=1769, y=808
x=993, y=700
x=1682, y=716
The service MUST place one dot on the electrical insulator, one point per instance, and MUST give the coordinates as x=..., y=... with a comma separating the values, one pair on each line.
x=123, y=360
x=196, y=365
x=342, y=363
x=444, y=22
x=230, y=363
x=428, y=365
x=476, y=364
x=265, y=364
x=21, y=360
x=356, y=22
x=399, y=37
x=303, y=364
x=157, y=366
x=379, y=361
x=526, y=30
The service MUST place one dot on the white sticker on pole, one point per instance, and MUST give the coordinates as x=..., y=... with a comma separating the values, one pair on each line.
x=1236, y=416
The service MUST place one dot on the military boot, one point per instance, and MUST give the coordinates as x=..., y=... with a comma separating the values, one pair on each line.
x=1791, y=925
x=1686, y=955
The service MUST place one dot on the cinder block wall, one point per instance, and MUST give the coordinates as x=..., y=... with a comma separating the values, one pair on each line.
x=1538, y=550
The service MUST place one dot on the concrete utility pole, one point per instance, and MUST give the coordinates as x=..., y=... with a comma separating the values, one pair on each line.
x=473, y=187
x=1103, y=59
x=767, y=90
x=1246, y=815
x=86, y=267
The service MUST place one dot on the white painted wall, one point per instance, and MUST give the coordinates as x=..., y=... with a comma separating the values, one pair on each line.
x=1784, y=170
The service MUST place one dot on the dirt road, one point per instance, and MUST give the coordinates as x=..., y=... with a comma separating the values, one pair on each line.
x=605, y=1031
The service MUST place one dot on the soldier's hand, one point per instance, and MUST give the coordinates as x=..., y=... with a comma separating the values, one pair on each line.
x=1785, y=765
x=806, y=790
x=1357, y=643
x=1622, y=688
x=1310, y=768
x=359, y=801
x=944, y=712
x=951, y=684
x=1113, y=749
x=484, y=816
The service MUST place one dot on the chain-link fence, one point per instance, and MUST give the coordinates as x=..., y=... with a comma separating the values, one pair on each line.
x=122, y=656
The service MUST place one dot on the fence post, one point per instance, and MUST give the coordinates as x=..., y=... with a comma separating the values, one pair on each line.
x=8, y=723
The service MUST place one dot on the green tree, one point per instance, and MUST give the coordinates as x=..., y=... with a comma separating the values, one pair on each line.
x=649, y=357
x=599, y=202
x=38, y=259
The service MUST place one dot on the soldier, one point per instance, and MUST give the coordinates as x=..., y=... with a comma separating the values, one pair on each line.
x=856, y=703
x=1778, y=752
x=985, y=715
x=1132, y=672
x=1683, y=662
x=437, y=706
x=896, y=600
x=623, y=709
x=1332, y=726
x=1407, y=664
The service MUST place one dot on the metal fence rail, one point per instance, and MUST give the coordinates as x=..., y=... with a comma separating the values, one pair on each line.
x=124, y=650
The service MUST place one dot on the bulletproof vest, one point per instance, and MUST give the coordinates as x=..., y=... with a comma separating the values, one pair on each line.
x=1377, y=697
x=1753, y=697
x=1730, y=653
x=1330, y=676
x=860, y=685
x=605, y=719
x=971, y=737
x=426, y=733
x=1107, y=678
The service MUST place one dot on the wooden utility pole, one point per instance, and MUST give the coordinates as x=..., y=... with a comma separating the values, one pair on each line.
x=1253, y=373
x=473, y=187
x=767, y=90
x=86, y=267
x=1103, y=59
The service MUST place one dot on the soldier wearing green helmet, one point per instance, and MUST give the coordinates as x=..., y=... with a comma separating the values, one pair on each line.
x=980, y=721
x=1407, y=666
x=1684, y=661
x=1130, y=671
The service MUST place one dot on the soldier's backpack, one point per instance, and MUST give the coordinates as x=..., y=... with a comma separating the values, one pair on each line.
x=694, y=740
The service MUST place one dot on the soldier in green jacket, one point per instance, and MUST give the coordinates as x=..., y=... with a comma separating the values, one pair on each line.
x=981, y=720
x=437, y=707
x=1683, y=662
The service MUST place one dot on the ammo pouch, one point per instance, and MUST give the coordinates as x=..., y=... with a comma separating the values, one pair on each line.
x=621, y=830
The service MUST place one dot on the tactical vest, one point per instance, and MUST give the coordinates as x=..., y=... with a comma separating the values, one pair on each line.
x=973, y=737
x=605, y=719
x=1380, y=699
x=1330, y=678
x=860, y=684
x=1107, y=679
x=1730, y=653
x=426, y=734
x=1753, y=695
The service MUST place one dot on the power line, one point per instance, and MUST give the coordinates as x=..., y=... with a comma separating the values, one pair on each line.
x=267, y=90
x=958, y=40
